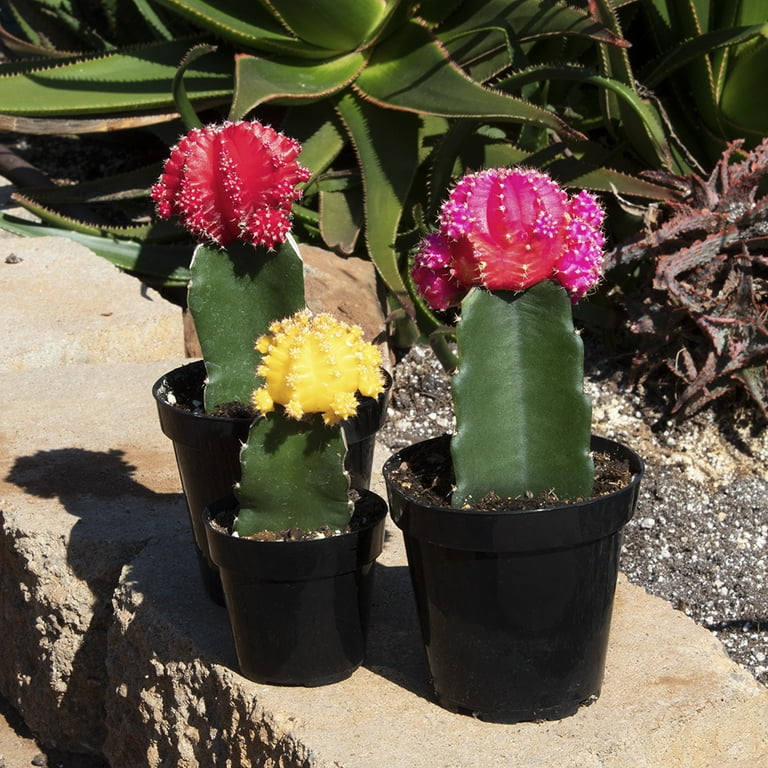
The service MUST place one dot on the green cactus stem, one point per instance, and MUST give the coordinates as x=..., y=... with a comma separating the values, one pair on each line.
x=523, y=420
x=293, y=475
x=259, y=286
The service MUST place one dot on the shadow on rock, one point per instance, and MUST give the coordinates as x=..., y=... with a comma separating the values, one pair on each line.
x=394, y=649
x=59, y=578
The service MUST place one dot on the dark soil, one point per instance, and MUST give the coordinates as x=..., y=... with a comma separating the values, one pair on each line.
x=429, y=479
x=366, y=510
x=183, y=389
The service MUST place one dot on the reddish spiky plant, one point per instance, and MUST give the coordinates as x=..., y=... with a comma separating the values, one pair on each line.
x=704, y=318
x=232, y=186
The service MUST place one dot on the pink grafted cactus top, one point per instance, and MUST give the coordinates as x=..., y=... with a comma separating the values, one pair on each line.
x=508, y=229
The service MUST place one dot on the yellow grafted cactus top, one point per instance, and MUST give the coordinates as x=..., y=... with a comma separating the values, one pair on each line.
x=316, y=364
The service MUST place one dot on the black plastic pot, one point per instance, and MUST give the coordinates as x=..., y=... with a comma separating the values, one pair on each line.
x=207, y=449
x=514, y=606
x=299, y=609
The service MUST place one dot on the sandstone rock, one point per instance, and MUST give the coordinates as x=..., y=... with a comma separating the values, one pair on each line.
x=346, y=287
x=671, y=696
x=110, y=644
x=82, y=491
x=71, y=306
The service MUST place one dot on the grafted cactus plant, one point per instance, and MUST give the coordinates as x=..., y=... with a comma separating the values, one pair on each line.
x=293, y=475
x=232, y=186
x=515, y=250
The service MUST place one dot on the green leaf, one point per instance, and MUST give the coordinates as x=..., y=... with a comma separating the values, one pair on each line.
x=155, y=231
x=386, y=144
x=321, y=135
x=259, y=80
x=525, y=20
x=523, y=420
x=234, y=295
x=128, y=81
x=575, y=170
x=642, y=113
x=412, y=72
x=292, y=475
x=157, y=265
x=690, y=50
x=741, y=111
x=333, y=25
x=180, y=95
x=146, y=12
x=622, y=104
x=250, y=26
x=341, y=219
x=120, y=186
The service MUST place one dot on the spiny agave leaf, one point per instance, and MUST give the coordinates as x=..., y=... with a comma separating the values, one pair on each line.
x=641, y=127
x=433, y=12
x=157, y=265
x=341, y=219
x=697, y=84
x=53, y=26
x=644, y=113
x=180, y=95
x=526, y=20
x=121, y=186
x=130, y=80
x=262, y=79
x=615, y=60
x=334, y=25
x=248, y=25
x=443, y=169
x=320, y=134
x=149, y=15
x=575, y=171
x=411, y=71
x=77, y=24
x=75, y=225
x=686, y=52
x=20, y=47
x=577, y=174
x=386, y=144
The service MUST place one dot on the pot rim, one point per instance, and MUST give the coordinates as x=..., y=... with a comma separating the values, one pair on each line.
x=162, y=386
x=517, y=530
x=297, y=560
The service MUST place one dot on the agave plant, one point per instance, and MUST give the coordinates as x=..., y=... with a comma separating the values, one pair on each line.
x=701, y=62
x=391, y=100
x=72, y=25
